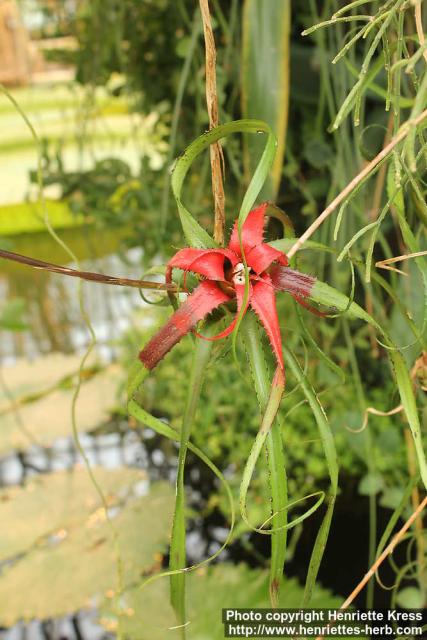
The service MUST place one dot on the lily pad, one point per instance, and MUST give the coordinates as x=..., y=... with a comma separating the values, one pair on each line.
x=82, y=568
x=56, y=502
x=36, y=376
x=147, y=614
x=50, y=416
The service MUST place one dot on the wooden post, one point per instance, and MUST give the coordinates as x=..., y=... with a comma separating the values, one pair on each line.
x=14, y=45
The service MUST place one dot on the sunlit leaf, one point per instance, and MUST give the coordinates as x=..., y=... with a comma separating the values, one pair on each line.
x=49, y=417
x=61, y=500
x=265, y=80
x=79, y=568
x=26, y=218
x=209, y=590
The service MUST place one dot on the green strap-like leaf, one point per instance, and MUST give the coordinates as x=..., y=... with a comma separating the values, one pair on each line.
x=265, y=80
x=324, y=294
x=196, y=236
x=163, y=429
x=177, y=551
x=332, y=462
x=270, y=434
x=177, y=560
x=276, y=458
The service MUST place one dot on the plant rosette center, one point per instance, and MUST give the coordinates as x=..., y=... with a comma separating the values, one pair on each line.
x=222, y=274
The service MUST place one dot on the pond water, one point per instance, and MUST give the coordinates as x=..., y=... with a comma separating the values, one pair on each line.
x=52, y=301
x=52, y=307
x=55, y=324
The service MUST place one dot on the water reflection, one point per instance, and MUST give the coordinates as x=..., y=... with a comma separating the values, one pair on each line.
x=78, y=627
x=110, y=310
x=55, y=324
x=111, y=450
x=52, y=304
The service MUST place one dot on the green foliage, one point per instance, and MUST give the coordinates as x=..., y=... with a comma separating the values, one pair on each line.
x=139, y=39
x=146, y=43
x=12, y=315
x=265, y=80
x=356, y=81
x=111, y=197
x=177, y=560
x=230, y=417
x=209, y=590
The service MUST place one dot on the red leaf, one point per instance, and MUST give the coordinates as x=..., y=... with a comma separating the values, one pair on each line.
x=206, y=262
x=240, y=292
x=252, y=231
x=223, y=334
x=294, y=282
x=261, y=257
x=210, y=264
x=263, y=302
x=204, y=299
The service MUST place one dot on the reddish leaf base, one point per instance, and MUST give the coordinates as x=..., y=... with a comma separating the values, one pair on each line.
x=199, y=304
x=294, y=282
x=223, y=274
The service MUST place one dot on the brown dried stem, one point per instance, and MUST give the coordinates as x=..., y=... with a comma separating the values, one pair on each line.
x=405, y=129
x=86, y=275
x=419, y=25
x=385, y=264
x=418, y=526
x=373, y=213
x=217, y=159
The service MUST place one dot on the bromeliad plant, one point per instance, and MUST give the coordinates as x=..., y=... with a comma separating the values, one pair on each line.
x=242, y=274
x=247, y=274
x=248, y=271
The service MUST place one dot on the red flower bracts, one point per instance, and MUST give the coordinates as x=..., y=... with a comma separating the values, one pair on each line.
x=223, y=279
